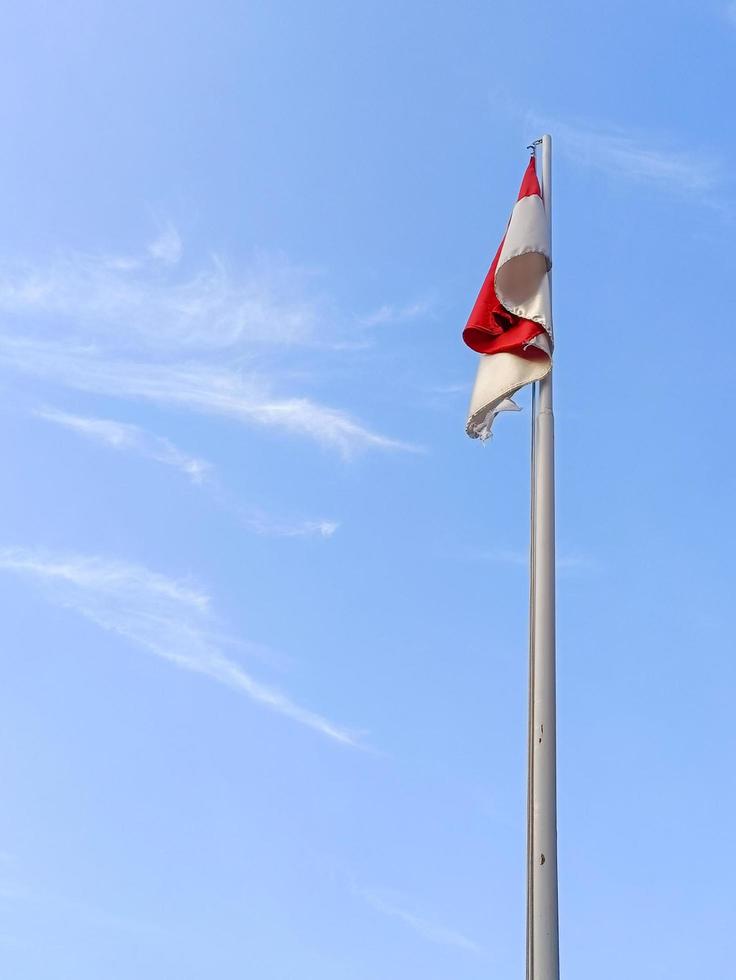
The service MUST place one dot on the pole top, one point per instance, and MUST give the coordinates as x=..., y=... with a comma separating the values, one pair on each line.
x=546, y=139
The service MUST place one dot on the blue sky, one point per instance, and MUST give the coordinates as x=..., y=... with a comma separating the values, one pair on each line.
x=263, y=604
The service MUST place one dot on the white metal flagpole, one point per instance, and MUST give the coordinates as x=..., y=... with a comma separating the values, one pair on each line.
x=542, y=918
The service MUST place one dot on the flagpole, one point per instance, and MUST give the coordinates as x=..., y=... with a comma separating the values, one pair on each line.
x=542, y=916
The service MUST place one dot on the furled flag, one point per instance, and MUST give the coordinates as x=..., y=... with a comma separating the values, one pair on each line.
x=511, y=325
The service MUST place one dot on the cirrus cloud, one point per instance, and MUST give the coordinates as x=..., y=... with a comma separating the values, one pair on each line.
x=167, y=617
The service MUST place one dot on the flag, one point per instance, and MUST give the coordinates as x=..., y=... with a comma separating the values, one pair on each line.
x=510, y=325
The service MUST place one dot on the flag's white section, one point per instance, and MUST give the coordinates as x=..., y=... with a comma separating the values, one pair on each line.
x=499, y=377
x=528, y=231
x=536, y=307
x=527, y=235
x=522, y=286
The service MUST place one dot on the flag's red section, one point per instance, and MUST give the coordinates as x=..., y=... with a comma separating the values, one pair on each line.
x=491, y=329
x=530, y=182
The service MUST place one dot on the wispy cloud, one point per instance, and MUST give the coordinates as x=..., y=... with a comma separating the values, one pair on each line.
x=131, y=438
x=147, y=301
x=167, y=247
x=388, y=905
x=262, y=524
x=164, y=616
x=391, y=313
x=503, y=556
x=619, y=153
x=41, y=901
x=570, y=561
x=195, y=386
x=449, y=389
x=10, y=888
x=142, y=327
x=565, y=561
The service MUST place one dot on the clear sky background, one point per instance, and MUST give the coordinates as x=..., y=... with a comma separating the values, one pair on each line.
x=262, y=603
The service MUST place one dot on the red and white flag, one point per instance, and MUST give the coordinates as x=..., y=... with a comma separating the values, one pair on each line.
x=511, y=323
